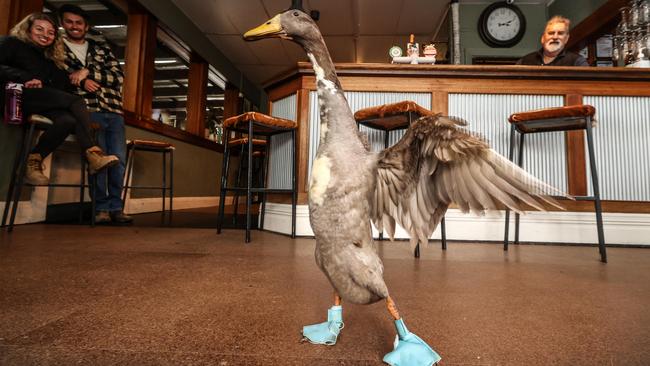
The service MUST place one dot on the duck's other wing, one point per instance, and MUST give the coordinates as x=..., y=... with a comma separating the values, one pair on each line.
x=436, y=163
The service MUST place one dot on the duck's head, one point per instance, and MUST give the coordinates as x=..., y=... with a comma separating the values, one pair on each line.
x=293, y=24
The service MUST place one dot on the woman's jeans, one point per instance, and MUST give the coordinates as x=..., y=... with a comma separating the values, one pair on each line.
x=111, y=138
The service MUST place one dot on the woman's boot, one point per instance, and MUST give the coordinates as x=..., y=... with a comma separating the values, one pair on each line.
x=98, y=161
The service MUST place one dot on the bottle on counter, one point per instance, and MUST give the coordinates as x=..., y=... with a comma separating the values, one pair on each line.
x=13, y=112
x=412, y=48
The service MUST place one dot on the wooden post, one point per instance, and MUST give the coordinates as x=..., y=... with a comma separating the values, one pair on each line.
x=230, y=101
x=139, y=57
x=575, y=154
x=13, y=11
x=196, y=95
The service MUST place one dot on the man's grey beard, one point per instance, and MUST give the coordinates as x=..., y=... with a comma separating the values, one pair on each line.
x=554, y=47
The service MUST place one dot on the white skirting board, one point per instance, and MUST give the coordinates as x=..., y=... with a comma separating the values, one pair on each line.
x=538, y=227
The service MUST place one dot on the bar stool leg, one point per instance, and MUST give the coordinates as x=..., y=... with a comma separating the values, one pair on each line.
x=130, y=154
x=92, y=186
x=82, y=187
x=520, y=162
x=416, y=252
x=249, y=182
x=171, y=184
x=443, y=234
x=511, y=156
x=264, y=183
x=597, y=203
x=235, y=201
x=21, y=178
x=164, y=184
x=224, y=180
x=12, y=182
x=294, y=184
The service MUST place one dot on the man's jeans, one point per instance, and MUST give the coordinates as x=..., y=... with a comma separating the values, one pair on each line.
x=112, y=140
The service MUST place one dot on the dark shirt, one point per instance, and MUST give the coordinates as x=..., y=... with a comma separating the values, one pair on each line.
x=21, y=62
x=565, y=58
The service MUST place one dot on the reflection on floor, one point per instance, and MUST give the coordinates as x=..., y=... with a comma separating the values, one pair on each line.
x=150, y=295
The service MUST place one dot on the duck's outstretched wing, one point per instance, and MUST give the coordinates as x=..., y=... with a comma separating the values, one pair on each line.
x=437, y=163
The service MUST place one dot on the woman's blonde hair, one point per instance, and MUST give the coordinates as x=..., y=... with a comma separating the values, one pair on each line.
x=55, y=51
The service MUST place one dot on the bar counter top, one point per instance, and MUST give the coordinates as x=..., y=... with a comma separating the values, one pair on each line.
x=474, y=71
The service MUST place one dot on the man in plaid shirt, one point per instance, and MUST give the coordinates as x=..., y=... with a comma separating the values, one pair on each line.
x=97, y=74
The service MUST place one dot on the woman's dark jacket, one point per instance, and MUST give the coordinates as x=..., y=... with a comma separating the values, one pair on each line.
x=21, y=62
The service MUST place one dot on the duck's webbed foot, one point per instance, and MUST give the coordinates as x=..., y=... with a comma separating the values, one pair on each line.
x=326, y=333
x=410, y=350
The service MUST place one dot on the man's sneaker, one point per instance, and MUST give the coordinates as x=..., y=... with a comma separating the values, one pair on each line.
x=34, y=173
x=97, y=160
x=102, y=217
x=119, y=217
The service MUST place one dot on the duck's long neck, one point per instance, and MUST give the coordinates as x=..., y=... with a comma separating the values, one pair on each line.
x=336, y=116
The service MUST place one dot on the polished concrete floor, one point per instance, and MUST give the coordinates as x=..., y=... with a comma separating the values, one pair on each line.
x=148, y=295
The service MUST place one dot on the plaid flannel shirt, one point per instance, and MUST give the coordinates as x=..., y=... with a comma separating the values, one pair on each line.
x=103, y=68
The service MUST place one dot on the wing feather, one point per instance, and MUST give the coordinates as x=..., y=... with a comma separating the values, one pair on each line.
x=437, y=163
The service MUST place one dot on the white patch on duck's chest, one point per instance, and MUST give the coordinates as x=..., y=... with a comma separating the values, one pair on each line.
x=320, y=178
x=320, y=75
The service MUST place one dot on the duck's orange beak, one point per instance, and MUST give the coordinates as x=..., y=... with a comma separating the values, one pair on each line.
x=272, y=28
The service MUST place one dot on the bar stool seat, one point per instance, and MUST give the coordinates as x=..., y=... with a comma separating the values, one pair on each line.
x=32, y=123
x=554, y=119
x=254, y=125
x=152, y=146
x=391, y=117
x=568, y=118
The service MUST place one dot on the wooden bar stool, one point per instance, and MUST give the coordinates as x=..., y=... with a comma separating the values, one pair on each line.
x=392, y=117
x=252, y=125
x=152, y=146
x=578, y=117
x=32, y=123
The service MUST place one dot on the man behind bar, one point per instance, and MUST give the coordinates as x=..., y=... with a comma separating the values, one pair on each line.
x=97, y=74
x=554, y=39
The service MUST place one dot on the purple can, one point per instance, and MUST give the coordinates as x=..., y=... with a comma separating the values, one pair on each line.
x=13, y=103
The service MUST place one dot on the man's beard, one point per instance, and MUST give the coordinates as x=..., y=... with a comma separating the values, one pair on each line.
x=74, y=37
x=554, y=47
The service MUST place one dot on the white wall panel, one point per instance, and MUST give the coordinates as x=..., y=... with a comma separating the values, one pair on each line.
x=487, y=114
x=621, y=145
x=280, y=163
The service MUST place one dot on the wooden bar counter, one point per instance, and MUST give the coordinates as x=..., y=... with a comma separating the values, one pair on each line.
x=485, y=96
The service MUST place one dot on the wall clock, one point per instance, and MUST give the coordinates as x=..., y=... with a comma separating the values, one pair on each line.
x=501, y=25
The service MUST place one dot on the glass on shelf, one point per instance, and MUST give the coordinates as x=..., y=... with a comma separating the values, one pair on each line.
x=625, y=19
x=644, y=12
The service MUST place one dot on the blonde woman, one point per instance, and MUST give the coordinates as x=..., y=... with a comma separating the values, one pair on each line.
x=34, y=55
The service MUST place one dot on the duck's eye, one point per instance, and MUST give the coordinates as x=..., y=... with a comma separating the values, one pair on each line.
x=295, y=14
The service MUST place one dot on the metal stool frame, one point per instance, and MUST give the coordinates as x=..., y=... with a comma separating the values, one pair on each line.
x=594, y=177
x=131, y=148
x=17, y=180
x=250, y=131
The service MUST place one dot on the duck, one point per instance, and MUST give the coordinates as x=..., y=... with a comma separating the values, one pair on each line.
x=437, y=162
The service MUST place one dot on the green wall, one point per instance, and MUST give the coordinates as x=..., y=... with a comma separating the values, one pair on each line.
x=197, y=171
x=575, y=10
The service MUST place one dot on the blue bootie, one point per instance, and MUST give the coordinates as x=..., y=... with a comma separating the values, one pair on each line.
x=325, y=333
x=410, y=350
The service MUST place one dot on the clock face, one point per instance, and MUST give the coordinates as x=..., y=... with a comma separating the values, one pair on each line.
x=501, y=25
